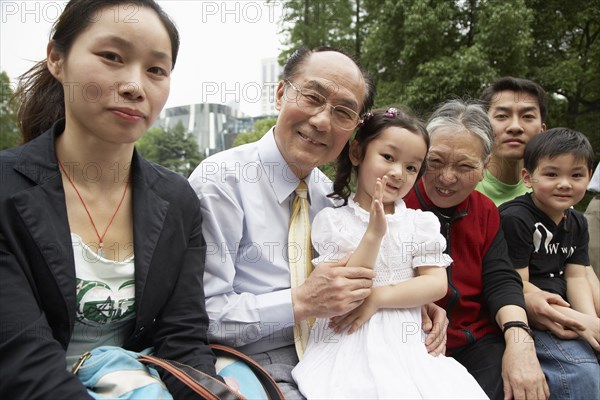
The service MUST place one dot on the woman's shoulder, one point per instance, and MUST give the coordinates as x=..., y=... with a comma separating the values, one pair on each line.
x=28, y=164
x=481, y=201
x=39, y=146
x=11, y=179
x=483, y=210
x=163, y=181
x=9, y=157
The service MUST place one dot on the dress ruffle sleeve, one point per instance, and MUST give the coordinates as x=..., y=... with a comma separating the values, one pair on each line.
x=431, y=243
x=330, y=236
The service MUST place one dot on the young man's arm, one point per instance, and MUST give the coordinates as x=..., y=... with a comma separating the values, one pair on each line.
x=579, y=291
x=595, y=285
x=542, y=310
x=579, y=294
x=557, y=316
x=521, y=371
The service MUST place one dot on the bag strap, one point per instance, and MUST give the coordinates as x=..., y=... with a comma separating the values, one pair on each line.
x=268, y=383
x=203, y=384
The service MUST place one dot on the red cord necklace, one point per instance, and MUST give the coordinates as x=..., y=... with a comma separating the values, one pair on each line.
x=100, y=237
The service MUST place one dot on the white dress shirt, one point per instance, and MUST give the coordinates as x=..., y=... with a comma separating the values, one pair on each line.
x=246, y=196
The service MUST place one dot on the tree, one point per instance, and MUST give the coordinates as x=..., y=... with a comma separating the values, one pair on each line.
x=172, y=148
x=313, y=23
x=566, y=61
x=260, y=128
x=422, y=52
x=9, y=131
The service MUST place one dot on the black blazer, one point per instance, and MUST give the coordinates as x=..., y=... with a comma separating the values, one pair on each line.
x=37, y=272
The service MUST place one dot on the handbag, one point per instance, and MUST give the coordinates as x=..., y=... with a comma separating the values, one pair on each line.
x=237, y=365
x=112, y=372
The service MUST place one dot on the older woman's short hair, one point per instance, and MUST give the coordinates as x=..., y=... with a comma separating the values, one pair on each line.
x=460, y=115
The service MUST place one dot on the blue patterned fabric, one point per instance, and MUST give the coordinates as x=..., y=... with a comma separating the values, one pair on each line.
x=114, y=373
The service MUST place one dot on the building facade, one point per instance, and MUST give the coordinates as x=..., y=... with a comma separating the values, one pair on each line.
x=214, y=126
x=271, y=72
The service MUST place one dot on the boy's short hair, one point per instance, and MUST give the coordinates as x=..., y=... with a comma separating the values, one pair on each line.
x=516, y=85
x=556, y=142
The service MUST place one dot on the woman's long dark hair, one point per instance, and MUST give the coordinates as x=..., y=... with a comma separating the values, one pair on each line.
x=372, y=126
x=39, y=96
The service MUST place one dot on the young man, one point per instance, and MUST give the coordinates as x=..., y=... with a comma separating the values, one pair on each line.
x=548, y=245
x=517, y=109
x=246, y=195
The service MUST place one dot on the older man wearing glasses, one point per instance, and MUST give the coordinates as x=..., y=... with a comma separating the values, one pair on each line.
x=247, y=195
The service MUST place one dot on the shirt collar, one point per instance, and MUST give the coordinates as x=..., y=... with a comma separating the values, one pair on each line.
x=281, y=178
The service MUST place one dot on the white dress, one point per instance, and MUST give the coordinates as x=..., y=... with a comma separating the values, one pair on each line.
x=386, y=357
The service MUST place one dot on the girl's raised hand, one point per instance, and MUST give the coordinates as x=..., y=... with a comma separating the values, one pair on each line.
x=377, y=222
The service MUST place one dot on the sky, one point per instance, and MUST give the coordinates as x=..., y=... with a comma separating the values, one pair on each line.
x=219, y=61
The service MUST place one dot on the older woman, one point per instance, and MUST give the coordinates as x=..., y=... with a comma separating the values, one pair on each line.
x=484, y=291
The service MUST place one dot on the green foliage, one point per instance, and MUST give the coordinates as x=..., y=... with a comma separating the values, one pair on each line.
x=260, y=128
x=566, y=60
x=9, y=131
x=503, y=32
x=247, y=137
x=447, y=49
x=328, y=169
x=313, y=23
x=437, y=80
x=422, y=52
x=438, y=19
x=172, y=148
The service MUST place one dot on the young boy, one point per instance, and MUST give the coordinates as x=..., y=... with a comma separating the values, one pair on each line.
x=548, y=242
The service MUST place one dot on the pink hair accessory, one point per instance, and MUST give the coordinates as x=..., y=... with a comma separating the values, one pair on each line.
x=365, y=118
x=391, y=112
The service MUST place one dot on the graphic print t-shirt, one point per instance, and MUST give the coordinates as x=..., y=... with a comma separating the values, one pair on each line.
x=105, y=301
x=537, y=242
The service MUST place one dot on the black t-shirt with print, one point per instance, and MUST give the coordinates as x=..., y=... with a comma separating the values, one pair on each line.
x=535, y=241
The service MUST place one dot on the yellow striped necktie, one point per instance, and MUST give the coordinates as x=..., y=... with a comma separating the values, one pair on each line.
x=300, y=258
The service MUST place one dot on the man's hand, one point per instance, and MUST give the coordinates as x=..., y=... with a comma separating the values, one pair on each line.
x=522, y=375
x=435, y=323
x=332, y=289
x=542, y=316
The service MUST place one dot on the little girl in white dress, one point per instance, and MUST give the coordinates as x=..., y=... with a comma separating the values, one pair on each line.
x=377, y=351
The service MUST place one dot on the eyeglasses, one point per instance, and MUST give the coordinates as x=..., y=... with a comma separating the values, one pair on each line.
x=313, y=102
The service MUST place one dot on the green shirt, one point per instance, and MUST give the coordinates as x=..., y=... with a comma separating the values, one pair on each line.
x=500, y=192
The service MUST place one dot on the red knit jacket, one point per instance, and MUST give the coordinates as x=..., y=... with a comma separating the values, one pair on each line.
x=481, y=279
